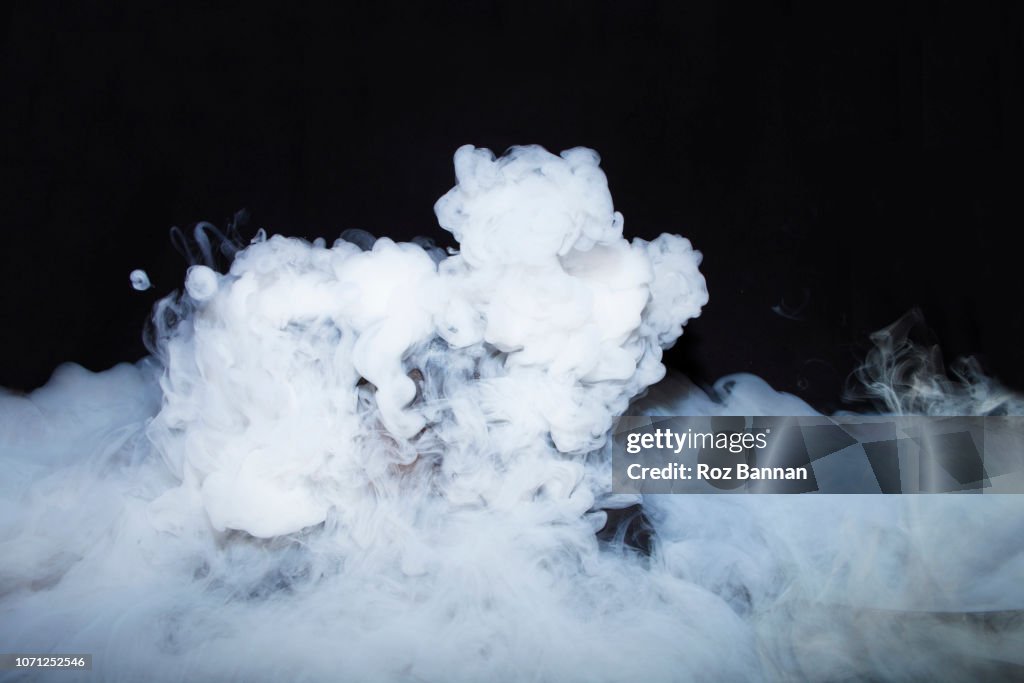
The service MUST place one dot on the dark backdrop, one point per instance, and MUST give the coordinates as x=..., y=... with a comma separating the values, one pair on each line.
x=844, y=163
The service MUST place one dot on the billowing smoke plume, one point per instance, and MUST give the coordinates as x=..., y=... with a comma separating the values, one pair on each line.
x=381, y=461
x=308, y=378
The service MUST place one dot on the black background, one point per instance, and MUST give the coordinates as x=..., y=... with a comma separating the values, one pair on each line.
x=859, y=162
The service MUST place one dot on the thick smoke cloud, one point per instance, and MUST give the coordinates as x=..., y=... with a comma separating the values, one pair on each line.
x=308, y=377
x=381, y=461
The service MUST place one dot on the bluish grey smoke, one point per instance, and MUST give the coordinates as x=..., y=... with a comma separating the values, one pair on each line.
x=140, y=280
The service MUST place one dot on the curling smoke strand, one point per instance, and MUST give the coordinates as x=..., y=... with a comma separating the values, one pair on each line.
x=389, y=464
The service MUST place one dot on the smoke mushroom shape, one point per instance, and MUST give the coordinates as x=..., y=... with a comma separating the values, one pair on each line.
x=382, y=461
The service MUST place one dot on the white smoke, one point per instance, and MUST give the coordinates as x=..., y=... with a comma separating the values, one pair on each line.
x=908, y=378
x=379, y=461
x=308, y=378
